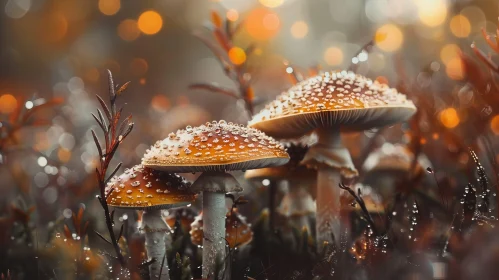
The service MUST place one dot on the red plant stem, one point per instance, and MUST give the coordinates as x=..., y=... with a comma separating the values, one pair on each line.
x=109, y=223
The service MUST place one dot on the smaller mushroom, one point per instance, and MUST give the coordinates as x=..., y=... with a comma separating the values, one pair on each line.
x=390, y=164
x=297, y=204
x=214, y=149
x=142, y=188
x=299, y=207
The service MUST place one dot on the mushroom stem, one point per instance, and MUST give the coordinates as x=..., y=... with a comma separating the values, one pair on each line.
x=156, y=230
x=328, y=192
x=328, y=205
x=272, y=197
x=214, y=211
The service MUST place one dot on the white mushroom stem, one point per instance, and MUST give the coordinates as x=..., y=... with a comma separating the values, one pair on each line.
x=328, y=205
x=332, y=161
x=156, y=230
x=214, y=211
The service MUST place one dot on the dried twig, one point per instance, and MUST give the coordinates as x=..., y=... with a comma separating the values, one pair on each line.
x=360, y=201
x=367, y=47
x=22, y=118
x=114, y=134
x=223, y=31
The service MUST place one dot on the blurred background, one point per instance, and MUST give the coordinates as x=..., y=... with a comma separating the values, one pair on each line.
x=57, y=51
x=60, y=49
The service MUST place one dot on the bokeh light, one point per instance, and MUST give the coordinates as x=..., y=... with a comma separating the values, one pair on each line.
x=64, y=155
x=109, y=7
x=17, y=9
x=432, y=12
x=92, y=75
x=150, y=22
x=160, y=103
x=8, y=103
x=449, y=52
x=449, y=117
x=271, y=3
x=237, y=55
x=299, y=29
x=128, y=30
x=455, y=69
x=494, y=124
x=139, y=67
x=333, y=56
x=56, y=27
x=460, y=26
x=389, y=38
x=262, y=24
x=232, y=15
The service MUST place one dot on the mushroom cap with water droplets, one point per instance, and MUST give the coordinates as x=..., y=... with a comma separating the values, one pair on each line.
x=237, y=231
x=144, y=188
x=215, y=146
x=333, y=99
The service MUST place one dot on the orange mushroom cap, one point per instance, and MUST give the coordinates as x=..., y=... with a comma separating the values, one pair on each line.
x=144, y=188
x=215, y=146
x=333, y=99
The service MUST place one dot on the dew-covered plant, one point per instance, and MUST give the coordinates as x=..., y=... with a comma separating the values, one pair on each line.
x=115, y=131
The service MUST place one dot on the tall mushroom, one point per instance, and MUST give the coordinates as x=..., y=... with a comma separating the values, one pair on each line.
x=142, y=188
x=330, y=103
x=297, y=203
x=214, y=149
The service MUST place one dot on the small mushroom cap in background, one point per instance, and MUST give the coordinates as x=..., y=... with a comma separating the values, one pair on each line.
x=297, y=203
x=393, y=158
x=291, y=170
x=144, y=188
x=237, y=231
x=333, y=99
x=215, y=146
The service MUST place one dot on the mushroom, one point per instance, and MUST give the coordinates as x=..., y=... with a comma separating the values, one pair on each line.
x=237, y=231
x=327, y=104
x=387, y=165
x=142, y=188
x=214, y=149
x=298, y=203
